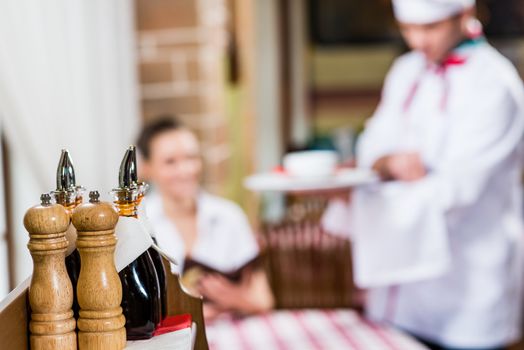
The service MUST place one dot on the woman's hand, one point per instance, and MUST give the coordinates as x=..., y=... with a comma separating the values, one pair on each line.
x=211, y=312
x=252, y=295
x=221, y=291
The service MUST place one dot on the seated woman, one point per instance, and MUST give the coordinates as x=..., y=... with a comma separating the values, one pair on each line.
x=209, y=236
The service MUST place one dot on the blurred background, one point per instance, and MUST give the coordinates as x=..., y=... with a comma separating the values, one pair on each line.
x=254, y=78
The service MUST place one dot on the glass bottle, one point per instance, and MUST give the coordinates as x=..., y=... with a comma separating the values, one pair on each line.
x=161, y=273
x=157, y=260
x=69, y=195
x=141, y=301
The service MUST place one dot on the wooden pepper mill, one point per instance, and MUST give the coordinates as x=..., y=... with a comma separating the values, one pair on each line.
x=52, y=324
x=99, y=291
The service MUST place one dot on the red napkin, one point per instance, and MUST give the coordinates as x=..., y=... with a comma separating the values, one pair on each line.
x=173, y=323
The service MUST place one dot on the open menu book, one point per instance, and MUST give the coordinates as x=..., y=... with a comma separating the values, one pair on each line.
x=195, y=270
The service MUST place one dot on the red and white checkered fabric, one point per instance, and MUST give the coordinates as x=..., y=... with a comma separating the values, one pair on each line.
x=304, y=330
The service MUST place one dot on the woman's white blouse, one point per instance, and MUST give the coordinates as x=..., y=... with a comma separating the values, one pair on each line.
x=224, y=241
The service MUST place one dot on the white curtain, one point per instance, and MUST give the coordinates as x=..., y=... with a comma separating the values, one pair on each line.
x=67, y=80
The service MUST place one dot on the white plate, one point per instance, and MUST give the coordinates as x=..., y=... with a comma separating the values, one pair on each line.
x=342, y=179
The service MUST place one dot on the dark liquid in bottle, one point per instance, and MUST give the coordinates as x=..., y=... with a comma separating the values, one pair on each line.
x=72, y=262
x=161, y=273
x=140, y=298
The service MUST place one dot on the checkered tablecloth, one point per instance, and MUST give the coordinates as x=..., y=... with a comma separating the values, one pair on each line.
x=304, y=330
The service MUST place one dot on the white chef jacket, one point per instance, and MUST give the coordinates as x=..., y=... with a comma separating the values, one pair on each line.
x=224, y=242
x=443, y=256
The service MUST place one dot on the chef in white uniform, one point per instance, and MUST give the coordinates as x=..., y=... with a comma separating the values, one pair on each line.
x=438, y=243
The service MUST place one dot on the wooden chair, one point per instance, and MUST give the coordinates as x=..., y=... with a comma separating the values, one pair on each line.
x=15, y=314
x=307, y=267
x=181, y=302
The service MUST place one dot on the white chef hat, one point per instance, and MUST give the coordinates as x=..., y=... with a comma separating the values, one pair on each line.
x=428, y=11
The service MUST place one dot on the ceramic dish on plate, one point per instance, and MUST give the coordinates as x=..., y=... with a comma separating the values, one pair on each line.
x=310, y=164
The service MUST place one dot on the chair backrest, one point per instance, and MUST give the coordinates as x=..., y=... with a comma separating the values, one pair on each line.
x=181, y=302
x=307, y=267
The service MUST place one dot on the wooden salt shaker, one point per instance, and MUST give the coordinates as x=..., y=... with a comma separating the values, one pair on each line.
x=52, y=325
x=99, y=291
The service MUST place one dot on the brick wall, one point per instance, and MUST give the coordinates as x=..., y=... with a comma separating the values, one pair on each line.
x=181, y=54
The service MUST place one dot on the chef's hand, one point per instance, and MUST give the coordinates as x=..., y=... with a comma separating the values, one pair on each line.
x=401, y=167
